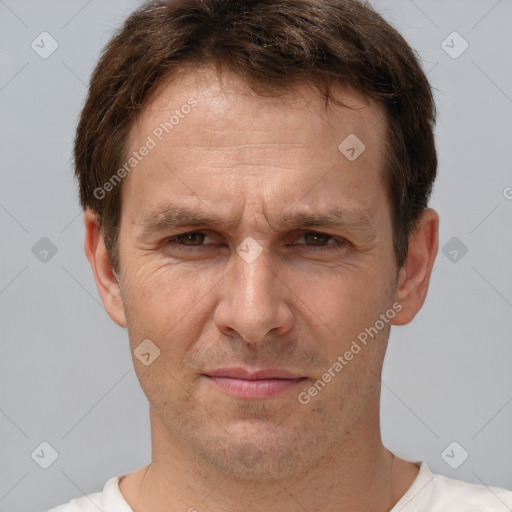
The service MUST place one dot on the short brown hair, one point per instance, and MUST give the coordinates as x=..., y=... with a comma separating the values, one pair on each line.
x=273, y=45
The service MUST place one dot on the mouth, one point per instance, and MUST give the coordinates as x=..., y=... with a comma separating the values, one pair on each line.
x=260, y=384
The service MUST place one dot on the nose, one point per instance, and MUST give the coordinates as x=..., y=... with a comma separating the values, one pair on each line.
x=254, y=301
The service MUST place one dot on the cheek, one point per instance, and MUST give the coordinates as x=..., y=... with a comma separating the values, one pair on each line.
x=344, y=300
x=167, y=292
x=164, y=388
x=168, y=306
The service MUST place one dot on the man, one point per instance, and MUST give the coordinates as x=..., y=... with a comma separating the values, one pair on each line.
x=255, y=178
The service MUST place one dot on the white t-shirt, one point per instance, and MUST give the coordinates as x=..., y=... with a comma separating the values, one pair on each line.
x=430, y=492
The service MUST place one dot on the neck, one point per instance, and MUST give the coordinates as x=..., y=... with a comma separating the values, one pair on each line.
x=358, y=474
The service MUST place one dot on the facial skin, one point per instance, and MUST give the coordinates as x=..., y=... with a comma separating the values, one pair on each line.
x=252, y=163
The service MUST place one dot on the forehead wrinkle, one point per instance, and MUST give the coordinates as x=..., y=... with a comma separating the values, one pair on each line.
x=332, y=216
x=173, y=215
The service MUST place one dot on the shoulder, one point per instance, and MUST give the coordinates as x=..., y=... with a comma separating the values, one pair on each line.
x=434, y=492
x=109, y=499
x=470, y=497
x=88, y=503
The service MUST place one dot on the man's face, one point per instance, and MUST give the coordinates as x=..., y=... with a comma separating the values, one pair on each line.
x=262, y=285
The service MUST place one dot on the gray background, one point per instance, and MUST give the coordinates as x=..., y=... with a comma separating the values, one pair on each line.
x=66, y=374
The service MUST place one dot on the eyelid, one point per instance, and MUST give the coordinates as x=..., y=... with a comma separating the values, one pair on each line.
x=337, y=241
x=180, y=235
x=319, y=233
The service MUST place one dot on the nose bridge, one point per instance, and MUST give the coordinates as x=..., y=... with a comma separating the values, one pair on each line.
x=253, y=301
x=253, y=275
x=252, y=261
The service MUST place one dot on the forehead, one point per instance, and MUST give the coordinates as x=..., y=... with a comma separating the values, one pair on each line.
x=213, y=136
x=227, y=97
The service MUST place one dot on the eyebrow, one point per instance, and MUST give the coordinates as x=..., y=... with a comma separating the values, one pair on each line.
x=174, y=216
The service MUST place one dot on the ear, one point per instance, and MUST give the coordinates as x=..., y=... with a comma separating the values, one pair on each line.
x=414, y=276
x=104, y=275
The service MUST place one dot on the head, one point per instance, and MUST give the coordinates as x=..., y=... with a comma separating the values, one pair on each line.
x=255, y=177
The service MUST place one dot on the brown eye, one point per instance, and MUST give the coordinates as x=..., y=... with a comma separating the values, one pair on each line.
x=316, y=238
x=189, y=239
x=314, y=241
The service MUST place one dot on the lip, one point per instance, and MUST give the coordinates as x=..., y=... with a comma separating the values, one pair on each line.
x=243, y=373
x=259, y=384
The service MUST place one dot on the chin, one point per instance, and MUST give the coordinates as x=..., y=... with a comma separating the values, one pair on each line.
x=259, y=451
x=249, y=462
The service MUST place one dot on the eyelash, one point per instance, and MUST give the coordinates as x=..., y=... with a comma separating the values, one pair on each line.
x=338, y=244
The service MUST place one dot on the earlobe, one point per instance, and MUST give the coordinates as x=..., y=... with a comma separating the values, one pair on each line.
x=414, y=276
x=104, y=274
